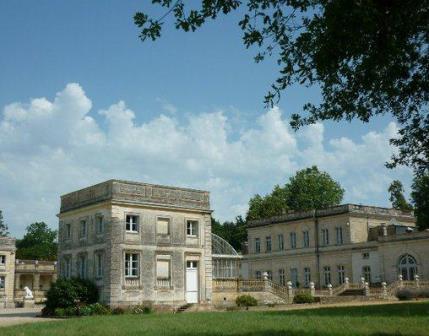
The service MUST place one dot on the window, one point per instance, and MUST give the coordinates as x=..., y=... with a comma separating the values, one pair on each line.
x=294, y=277
x=268, y=244
x=68, y=231
x=83, y=229
x=306, y=238
x=307, y=276
x=131, y=265
x=163, y=269
x=163, y=226
x=282, y=277
x=293, y=240
x=132, y=223
x=82, y=267
x=2, y=282
x=365, y=255
x=341, y=274
x=339, y=233
x=99, y=265
x=366, y=273
x=281, y=242
x=327, y=275
x=257, y=245
x=192, y=228
x=67, y=268
x=325, y=237
x=2, y=260
x=99, y=224
x=408, y=267
x=258, y=275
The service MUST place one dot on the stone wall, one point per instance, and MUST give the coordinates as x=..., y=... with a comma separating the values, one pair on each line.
x=7, y=249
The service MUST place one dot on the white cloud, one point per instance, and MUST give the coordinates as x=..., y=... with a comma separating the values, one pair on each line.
x=48, y=148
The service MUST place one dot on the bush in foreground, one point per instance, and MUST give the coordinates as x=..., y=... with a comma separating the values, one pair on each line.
x=66, y=293
x=303, y=298
x=246, y=301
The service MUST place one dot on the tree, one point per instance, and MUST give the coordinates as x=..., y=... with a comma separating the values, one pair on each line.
x=4, y=230
x=420, y=198
x=234, y=232
x=308, y=189
x=397, y=198
x=368, y=57
x=39, y=243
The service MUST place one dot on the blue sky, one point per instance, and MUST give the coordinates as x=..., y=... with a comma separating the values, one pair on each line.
x=204, y=83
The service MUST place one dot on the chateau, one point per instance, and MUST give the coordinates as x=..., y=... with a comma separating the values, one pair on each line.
x=329, y=245
x=140, y=243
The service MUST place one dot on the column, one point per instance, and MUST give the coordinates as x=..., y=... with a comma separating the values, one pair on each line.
x=36, y=281
x=17, y=281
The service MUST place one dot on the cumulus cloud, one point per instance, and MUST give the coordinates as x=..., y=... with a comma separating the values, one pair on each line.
x=48, y=148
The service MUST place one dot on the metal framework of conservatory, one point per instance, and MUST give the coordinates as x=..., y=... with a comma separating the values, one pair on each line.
x=226, y=260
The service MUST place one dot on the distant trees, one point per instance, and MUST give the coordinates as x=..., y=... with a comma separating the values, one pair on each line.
x=233, y=232
x=420, y=198
x=38, y=243
x=4, y=230
x=308, y=189
x=397, y=197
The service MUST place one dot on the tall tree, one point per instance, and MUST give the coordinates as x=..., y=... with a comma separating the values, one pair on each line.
x=39, y=243
x=233, y=232
x=369, y=57
x=4, y=230
x=420, y=197
x=397, y=197
x=308, y=189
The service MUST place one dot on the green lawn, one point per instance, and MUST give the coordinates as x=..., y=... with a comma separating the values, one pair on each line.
x=382, y=320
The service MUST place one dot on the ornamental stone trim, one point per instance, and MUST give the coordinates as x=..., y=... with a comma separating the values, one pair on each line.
x=137, y=193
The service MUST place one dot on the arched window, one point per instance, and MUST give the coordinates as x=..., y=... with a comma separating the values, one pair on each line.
x=407, y=267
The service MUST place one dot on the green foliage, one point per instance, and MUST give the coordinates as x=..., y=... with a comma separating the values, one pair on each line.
x=59, y=312
x=303, y=298
x=99, y=309
x=66, y=293
x=420, y=198
x=39, y=243
x=380, y=66
x=234, y=232
x=118, y=311
x=397, y=197
x=4, y=230
x=308, y=189
x=141, y=309
x=246, y=301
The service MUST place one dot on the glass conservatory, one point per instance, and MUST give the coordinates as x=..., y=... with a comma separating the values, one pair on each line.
x=226, y=260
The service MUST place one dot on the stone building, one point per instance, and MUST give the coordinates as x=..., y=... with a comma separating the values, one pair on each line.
x=16, y=274
x=7, y=271
x=140, y=243
x=326, y=246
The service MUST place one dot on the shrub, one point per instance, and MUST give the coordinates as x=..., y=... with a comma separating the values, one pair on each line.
x=68, y=292
x=246, y=301
x=99, y=309
x=85, y=311
x=406, y=294
x=303, y=298
x=141, y=309
x=59, y=312
x=118, y=311
x=46, y=312
x=70, y=311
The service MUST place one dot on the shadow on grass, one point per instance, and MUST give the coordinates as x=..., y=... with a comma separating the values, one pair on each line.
x=269, y=332
x=387, y=310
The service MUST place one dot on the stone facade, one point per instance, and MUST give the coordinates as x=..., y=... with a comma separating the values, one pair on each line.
x=140, y=243
x=326, y=246
x=7, y=271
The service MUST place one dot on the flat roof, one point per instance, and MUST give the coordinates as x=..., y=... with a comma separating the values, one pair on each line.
x=355, y=209
x=139, y=193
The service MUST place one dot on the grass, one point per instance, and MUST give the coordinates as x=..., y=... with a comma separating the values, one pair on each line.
x=381, y=320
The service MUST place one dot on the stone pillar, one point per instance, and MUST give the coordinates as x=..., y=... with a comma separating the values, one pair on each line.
x=266, y=282
x=401, y=284
x=312, y=289
x=417, y=280
x=384, y=294
x=330, y=289
x=290, y=291
x=17, y=281
x=366, y=289
x=362, y=282
x=346, y=282
x=36, y=281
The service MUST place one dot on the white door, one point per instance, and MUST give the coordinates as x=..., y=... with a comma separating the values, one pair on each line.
x=191, y=282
